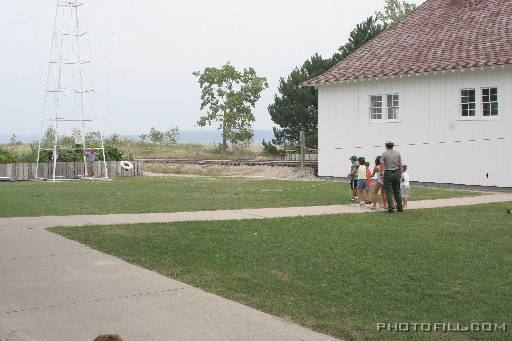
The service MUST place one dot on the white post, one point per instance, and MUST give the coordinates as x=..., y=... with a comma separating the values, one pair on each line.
x=55, y=153
x=302, y=150
x=104, y=156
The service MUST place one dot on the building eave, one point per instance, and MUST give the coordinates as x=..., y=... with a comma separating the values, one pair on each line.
x=406, y=75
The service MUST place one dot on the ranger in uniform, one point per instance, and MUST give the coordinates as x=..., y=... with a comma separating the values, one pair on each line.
x=392, y=172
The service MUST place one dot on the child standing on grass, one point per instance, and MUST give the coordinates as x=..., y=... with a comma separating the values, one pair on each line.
x=352, y=177
x=368, y=183
x=405, y=186
x=361, y=180
x=378, y=176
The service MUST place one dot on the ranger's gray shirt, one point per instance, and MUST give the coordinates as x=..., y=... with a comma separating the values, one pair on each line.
x=391, y=159
x=90, y=156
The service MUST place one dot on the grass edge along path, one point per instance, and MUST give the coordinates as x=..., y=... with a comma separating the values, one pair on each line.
x=177, y=194
x=339, y=274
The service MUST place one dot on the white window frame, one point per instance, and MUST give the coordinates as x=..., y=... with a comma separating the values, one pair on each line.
x=479, y=105
x=384, y=108
x=462, y=103
x=396, y=109
x=490, y=102
x=372, y=108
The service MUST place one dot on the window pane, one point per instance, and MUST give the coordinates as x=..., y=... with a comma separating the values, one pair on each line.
x=392, y=104
x=465, y=110
x=392, y=113
x=376, y=107
x=490, y=102
x=467, y=101
x=494, y=109
x=487, y=109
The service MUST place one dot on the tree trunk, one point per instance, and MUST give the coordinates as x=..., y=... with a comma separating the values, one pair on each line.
x=224, y=141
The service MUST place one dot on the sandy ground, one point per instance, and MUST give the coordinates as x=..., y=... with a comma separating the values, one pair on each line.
x=236, y=171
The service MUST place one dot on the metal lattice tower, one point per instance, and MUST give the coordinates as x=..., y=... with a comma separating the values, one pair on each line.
x=69, y=100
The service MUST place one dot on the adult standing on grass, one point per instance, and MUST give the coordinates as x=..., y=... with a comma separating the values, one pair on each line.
x=392, y=161
x=90, y=158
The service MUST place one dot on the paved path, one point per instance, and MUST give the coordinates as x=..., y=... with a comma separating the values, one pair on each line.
x=55, y=289
x=250, y=213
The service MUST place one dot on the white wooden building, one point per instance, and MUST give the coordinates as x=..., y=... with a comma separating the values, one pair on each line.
x=438, y=83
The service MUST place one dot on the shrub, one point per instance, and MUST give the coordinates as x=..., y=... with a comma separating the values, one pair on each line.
x=7, y=156
x=269, y=148
x=112, y=153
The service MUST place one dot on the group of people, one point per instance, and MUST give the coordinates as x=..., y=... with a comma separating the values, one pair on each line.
x=389, y=177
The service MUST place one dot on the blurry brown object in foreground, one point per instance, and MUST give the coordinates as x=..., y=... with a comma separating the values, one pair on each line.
x=110, y=337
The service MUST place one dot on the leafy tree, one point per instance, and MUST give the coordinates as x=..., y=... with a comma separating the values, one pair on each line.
x=269, y=148
x=172, y=136
x=114, y=140
x=228, y=97
x=93, y=139
x=114, y=153
x=14, y=141
x=394, y=10
x=296, y=107
x=7, y=156
x=157, y=137
x=48, y=138
x=360, y=35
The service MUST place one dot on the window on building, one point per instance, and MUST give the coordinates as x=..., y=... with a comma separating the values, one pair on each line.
x=490, y=102
x=392, y=106
x=468, y=102
x=376, y=107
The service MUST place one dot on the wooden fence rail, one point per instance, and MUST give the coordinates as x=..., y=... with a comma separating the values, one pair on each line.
x=296, y=157
x=67, y=170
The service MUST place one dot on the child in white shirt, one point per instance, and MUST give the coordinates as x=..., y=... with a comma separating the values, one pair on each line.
x=405, y=186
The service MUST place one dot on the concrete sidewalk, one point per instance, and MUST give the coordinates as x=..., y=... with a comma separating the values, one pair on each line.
x=55, y=289
x=250, y=213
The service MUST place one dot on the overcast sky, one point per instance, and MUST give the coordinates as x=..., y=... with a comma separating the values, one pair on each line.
x=157, y=44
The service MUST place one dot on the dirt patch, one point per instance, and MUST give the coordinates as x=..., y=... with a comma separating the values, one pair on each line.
x=236, y=171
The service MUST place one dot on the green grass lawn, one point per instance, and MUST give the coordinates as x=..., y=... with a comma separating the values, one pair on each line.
x=340, y=274
x=175, y=194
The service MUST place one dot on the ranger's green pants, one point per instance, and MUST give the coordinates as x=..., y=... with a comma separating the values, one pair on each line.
x=392, y=189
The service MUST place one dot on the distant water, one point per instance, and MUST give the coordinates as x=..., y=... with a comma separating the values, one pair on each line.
x=187, y=136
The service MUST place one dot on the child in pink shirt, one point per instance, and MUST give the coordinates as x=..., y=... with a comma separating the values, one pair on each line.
x=368, y=183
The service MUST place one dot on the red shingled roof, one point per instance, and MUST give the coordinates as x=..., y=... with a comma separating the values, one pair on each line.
x=439, y=35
